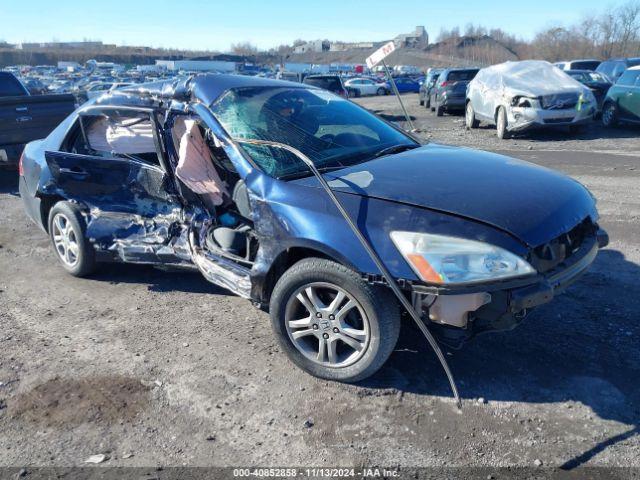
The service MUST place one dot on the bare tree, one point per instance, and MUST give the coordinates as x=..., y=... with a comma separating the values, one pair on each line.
x=244, y=48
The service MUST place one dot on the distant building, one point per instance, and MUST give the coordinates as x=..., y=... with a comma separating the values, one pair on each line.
x=60, y=45
x=343, y=46
x=68, y=66
x=96, y=66
x=315, y=46
x=149, y=68
x=418, y=38
x=197, y=65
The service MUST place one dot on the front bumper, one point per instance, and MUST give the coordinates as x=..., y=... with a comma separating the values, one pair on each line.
x=521, y=118
x=507, y=301
x=556, y=281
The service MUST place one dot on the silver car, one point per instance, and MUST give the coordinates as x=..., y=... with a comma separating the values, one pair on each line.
x=517, y=96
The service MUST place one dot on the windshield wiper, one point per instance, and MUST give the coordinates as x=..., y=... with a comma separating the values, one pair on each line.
x=395, y=149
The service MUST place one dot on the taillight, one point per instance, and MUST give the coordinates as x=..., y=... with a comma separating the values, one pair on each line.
x=20, y=166
x=444, y=84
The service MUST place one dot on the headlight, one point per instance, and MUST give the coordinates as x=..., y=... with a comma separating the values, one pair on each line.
x=450, y=260
x=525, y=102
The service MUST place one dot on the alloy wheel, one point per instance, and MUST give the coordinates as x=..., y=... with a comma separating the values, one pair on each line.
x=327, y=325
x=469, y=116
x=608, y=116
x=65, y=240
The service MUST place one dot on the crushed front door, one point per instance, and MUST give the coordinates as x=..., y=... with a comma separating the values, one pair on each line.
x=131, y=209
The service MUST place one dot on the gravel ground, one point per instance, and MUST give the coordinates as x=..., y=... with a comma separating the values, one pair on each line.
x=154, y=368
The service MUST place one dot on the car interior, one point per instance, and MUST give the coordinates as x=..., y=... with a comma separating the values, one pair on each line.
x=204, y=175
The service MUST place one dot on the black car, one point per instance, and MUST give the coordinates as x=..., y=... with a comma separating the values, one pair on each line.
x=615, y=67
x=450, y=90
x=427, y=86
x=598, y=83
x=333, y=83
x=25, y=117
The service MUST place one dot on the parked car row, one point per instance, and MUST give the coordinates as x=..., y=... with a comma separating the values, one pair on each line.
x=518, y=96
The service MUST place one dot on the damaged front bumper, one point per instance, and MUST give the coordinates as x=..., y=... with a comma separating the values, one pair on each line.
x=522, y=118
x=458, y=314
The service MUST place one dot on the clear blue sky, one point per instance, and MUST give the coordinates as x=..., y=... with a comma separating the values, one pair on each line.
x=214, y=25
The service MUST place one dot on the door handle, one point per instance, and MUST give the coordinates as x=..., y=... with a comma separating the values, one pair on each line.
x=74, y=171
x=22, y=109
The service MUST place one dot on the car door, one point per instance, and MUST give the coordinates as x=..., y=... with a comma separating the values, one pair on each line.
x=634, y=107
x=130, y=200
x=628, y=96
x=402, y=85
x=368, y=87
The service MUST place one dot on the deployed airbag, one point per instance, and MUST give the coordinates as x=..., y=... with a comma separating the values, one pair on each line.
x=195, y=167
x=125, y=136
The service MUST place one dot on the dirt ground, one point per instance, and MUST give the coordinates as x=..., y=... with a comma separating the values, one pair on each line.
x=153, y=368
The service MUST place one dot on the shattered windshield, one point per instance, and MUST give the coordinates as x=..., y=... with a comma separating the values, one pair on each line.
x=331, y=131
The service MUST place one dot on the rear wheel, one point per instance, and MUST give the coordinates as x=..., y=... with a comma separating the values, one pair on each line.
x=470, y=117
x=427, y=101
x=439, y=110
x=610, y=115
x=421, y=101
x=331, y=323
x=501, y=123
x=66, y=229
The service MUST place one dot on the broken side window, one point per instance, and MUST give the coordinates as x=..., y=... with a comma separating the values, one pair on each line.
x=117, y=135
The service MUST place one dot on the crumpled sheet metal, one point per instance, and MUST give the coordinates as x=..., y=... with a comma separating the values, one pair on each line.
x=139, y=239
x=218, y=270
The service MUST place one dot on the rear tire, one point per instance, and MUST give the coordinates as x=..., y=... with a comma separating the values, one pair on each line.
x=501, y=123
x=439, y=110
x=427, y=102
x=470, y=117
x=67, y=233
x=610, y=115
x=305, y=296
x=421, y=102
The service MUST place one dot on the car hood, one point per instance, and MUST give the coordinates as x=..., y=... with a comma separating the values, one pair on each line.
x=532, y=203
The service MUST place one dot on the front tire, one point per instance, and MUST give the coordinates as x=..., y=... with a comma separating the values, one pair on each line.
x=610, y=115
x=381, y=91
x=470, y=117
x=331, y=323
x=427, y=102
x=501, y=123
x=67, y=233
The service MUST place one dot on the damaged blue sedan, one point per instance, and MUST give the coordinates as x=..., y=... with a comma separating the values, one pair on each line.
x=212, y=172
